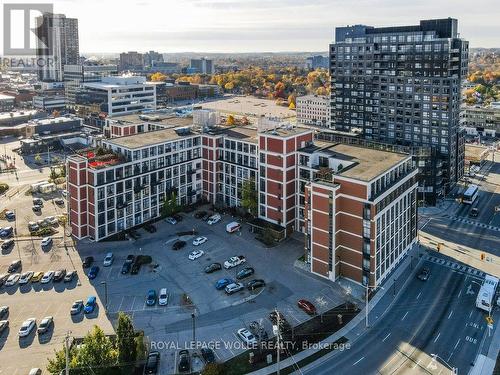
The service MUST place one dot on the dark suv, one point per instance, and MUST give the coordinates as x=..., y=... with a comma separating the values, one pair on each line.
x=152, y=363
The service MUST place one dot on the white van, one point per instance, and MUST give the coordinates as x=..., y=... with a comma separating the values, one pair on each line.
x=233, y=227
x=214, y=219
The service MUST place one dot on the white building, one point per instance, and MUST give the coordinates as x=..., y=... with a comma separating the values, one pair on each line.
x=120, y=95
x=313, y=110
x=49, y=102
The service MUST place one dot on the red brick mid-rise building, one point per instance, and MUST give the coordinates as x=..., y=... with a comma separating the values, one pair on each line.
x=357, y=206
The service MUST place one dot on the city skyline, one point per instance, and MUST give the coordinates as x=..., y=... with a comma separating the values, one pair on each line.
x=243, y=26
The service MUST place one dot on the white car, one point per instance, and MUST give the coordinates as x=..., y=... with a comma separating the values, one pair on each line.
x=26, y=277
x=47, y=277
x=234, y=261
x=13, y=279
x=163, y=297
x=46, y=241
x=171, y=220
x=234, y=287
x=108, y=260
x=196, y=254
x=199, y=241
x=51, y=220
x=214, y=219
x=247, y=337
x=27, y=327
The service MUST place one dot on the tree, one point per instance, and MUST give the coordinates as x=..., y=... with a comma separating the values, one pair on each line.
x=214, y=369
x=249, y=196
x=53, y=174
x=230, y=120
x=96, y=354
x=158, y=77
x=38, y=158
x=170, y=205
x=58, y=363
x=229, y=86
x=291, y=105
x=125, y=339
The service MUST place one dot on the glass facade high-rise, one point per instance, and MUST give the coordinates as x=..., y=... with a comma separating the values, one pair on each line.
x=401, y=85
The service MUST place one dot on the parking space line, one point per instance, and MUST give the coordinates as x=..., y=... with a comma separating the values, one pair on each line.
x=121, y=302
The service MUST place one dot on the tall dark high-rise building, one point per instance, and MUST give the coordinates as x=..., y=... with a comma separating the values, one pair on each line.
x=401, y=85
x=57, y=44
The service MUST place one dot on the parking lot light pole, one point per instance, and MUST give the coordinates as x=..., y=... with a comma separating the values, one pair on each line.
x=194, y=332
x=105, y=295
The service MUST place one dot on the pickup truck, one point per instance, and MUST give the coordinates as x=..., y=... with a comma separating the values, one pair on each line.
x=234, y=261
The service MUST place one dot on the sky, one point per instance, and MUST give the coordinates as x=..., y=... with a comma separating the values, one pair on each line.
x=113, y=26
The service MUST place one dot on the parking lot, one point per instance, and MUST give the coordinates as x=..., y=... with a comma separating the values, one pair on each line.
x=217, y=315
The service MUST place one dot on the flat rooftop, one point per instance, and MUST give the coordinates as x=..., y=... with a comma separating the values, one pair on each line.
x=247, y=134
x=475, y=152
x=286, y=132
x=368, y=163
x=146, y=139
x=152, y=118
x=248, y=106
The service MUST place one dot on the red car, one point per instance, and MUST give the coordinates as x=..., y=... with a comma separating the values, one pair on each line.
x=307, y=306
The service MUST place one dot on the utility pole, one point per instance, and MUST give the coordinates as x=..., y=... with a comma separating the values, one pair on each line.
x=66, y=345
x=278, y=341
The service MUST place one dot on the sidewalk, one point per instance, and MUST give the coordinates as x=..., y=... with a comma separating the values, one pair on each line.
x=377, y=307
x=485, y=362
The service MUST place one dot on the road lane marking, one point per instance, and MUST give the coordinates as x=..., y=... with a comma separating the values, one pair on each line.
x=437, y=337
x=456, y=344
x=419, y=295
x=359, y=360
x=470, y=314
x=451, y=313
x=385, y=338
x=459, y=294
x=404, y=316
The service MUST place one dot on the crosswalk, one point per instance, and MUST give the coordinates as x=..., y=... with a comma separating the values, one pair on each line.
x=475, y=273
x=472, y=222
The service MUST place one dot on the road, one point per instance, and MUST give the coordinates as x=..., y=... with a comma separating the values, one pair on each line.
x=434, y=317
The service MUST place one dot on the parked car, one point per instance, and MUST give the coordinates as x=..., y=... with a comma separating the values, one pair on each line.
x=90, y=305
x=51, y=220
x=70, y=276
x=4, y=324
x=94, y=270
x=245, y=272
x=234, y=261
x=171, y=220
x=37, y=202
x=37, y=208
x=256, y=283
x=199, y=214
x=214, y=219
x=7, y=244
x=35, y=371
x=59, y=275
x=10, y=215
x=126, y=268
x=208, y=355
x=213, y=267
x=222, y=283
x=184, y=361
x=177, y=245
x=77, y=307
x=233, y=227
x=163, y=297
x=152, y=363
x=12, y=279
x=47, y=277
x=46, y=241
x=6, y=232
x=196, y=254
x=4, y=310
x=37, y=276
x=307, y=306
x=150, y=227
x=15, y=266
x=246, y=336
x=474, y=212
x=233, y=288
x=151, y=297
x=136, y=267
x=199, y=240
x=87, y=262
x=424, y=274
x=3, y=278
x=33, y=227
x=26, y=277
x=27, y=327
x=134, y=234
x=177, y=217
x=108, y=260
x=64, y=193
x=59, y=201
x=45, y=325
x=130, y=258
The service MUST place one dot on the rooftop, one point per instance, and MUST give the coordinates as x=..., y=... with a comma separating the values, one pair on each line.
x=246, y=134
x=6, y=97
x=152, y=118
x=474, y=152
x=286, y=131
x=148, y=138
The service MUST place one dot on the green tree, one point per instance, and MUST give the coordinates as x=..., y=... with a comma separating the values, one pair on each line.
x=214, y=369
x=53, y=174
x=96, y=354
x=170, y=205
x=125, y=339
x=249, y=196
x=58, y=363
x=38, y=158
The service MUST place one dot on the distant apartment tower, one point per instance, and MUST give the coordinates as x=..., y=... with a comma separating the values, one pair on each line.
x=401, y=85
x=203, y=66
x=76, y=75
x=313, y=110
x=57, y=45
x=151, y=57
x=315, y=62
x=131, y=61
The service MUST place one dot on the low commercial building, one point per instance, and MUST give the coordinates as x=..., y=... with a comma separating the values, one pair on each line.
x=6, y=102
x=48, y=103
x=313, y=110
x=53, y=126
x=482, y=121
x=475, y=155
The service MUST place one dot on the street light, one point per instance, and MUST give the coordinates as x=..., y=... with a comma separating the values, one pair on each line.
x=105, y=295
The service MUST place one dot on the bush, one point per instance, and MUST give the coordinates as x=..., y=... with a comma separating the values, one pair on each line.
x=143, y=259
x=42, y=232
x=3, y=188
x=214, y=369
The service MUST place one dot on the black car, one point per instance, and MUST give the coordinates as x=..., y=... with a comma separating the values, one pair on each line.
x=3, y=279
x=184, y=361
x=178, y=245
x=59, y=275
x=15, y=266
x=37, y=208
x=135, y=268
x=134, y=234
x=424, y=274
x=256, y=283
x=213, y=267
x=245, y=272
x=130, y=258
x=273, y=317
x=9, y=215
x=126, y=268
x=4, y=311
x=177, y=217
x=152, y=363
x=6, y=232
x=7, y=244
x=69, y=276
x=199, y=214
x=150, y=228
x=208, y=355
x=207, y=216
x=87, y=262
